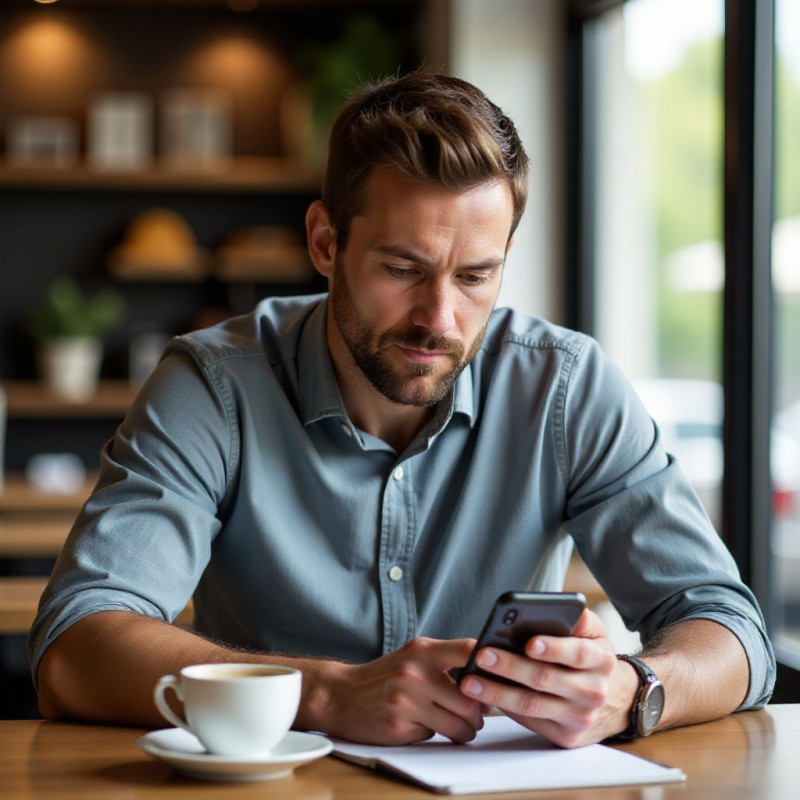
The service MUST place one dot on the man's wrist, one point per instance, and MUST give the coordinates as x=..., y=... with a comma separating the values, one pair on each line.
x=317, y=704
x=648, y=703
x=630, y=683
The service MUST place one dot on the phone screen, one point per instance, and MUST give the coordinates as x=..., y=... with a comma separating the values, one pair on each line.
x=517, y=616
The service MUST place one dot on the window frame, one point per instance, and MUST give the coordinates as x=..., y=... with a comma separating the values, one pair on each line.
x=748, y=319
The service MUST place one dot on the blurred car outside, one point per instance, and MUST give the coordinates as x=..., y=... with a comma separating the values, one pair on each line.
x=689, y=414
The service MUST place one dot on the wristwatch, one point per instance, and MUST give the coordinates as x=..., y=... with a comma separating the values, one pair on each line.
x=649, y=703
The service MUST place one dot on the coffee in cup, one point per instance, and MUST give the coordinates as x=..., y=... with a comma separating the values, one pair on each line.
x=239, y=710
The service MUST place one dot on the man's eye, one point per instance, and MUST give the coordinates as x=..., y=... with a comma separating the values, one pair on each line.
x=475, y=279
x=399, y=272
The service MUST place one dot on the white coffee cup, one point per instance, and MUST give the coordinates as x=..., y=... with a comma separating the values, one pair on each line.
x=240, y=710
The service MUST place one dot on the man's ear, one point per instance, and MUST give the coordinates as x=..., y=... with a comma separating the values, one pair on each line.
x=321, y=236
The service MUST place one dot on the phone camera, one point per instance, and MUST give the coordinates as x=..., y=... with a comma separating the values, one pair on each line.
x=510, y=616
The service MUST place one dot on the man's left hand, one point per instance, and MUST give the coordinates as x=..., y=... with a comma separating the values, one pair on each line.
x=579, y=692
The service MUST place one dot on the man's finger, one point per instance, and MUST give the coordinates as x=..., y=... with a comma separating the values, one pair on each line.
x=589, y=626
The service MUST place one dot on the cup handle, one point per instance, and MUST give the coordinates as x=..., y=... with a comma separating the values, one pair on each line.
x=164, y=683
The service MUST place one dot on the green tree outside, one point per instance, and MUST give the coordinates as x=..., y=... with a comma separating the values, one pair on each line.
x=684, y=114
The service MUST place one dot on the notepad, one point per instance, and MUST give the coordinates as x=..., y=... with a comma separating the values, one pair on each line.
x=504, y=757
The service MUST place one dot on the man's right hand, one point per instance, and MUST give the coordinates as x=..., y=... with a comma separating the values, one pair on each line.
x=403, y=697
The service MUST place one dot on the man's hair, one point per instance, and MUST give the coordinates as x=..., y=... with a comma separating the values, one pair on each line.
x=427, y=126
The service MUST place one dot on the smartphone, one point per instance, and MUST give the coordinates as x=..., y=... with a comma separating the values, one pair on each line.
x=516, y=616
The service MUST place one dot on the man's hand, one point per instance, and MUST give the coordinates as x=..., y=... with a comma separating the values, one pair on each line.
x=403, y=697
x=579, y=692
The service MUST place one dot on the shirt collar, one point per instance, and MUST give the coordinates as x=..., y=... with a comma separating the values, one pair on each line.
x=319, y=392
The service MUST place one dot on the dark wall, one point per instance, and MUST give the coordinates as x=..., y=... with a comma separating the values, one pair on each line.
x=46, y=233
x=90, y=47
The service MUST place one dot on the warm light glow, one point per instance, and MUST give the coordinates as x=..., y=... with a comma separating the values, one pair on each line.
x=233, y=61
x=45, y=2
x=51, y=62
x=46, y=47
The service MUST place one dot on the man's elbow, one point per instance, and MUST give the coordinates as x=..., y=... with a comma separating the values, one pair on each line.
x=53, y=684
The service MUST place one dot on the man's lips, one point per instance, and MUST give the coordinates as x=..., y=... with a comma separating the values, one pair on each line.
x=423, y=356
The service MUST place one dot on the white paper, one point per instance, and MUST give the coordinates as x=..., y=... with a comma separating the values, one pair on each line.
x=506, y=757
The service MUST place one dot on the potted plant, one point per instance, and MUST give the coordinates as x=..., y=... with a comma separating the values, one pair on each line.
x=363, y=51
x=68, y=326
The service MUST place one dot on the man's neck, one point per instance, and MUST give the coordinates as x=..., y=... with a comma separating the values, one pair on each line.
x=368, y=409
x=394, y=424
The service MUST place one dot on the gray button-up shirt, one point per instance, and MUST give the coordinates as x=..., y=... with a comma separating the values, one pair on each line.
x=238, y=477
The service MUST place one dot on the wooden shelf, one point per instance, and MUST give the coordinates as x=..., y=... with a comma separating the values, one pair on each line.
x=34, y=535
x=19, y=600
x=31, y=399
x=242, y=175
x=20, y=496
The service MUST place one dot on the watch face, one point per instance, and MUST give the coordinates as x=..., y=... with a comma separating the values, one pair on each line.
x=652, y=707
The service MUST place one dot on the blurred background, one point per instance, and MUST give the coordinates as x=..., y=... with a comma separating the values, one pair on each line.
x=157, y=158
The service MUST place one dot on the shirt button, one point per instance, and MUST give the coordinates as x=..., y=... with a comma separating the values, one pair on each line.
x=395, y=573
x=346, y=429
x=398, y=473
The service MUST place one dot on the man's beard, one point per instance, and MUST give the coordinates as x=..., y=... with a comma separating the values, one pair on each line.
x=400, y=385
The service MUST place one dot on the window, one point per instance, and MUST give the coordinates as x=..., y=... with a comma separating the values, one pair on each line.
x=658, y=264
x=785, y=430
x=687, y=268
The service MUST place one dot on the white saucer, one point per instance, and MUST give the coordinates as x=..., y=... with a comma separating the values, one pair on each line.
x=181, y=749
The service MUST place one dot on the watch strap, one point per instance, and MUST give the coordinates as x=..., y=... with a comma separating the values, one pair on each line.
x=646, y=678
x=646, y=675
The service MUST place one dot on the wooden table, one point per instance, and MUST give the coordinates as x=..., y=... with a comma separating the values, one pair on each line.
x=749, y=756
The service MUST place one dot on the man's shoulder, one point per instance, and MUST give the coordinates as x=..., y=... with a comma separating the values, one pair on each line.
x=511, y=331
x=272, y=330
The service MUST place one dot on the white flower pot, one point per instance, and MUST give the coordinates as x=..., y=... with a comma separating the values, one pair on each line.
x=70, y=366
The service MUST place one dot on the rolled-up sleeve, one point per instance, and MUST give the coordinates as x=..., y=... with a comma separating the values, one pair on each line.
x=143, y=538
x=640, y=527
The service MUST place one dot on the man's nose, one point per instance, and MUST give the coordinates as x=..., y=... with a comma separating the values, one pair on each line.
x=434, y=308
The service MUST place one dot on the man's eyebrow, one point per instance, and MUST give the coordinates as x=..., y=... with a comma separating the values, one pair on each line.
x=396, y=251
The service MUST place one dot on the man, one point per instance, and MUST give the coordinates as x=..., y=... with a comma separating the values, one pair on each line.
x=345, y=483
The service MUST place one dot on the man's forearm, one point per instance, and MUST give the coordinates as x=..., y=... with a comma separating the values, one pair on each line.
x=704, y=669
x=104, y=668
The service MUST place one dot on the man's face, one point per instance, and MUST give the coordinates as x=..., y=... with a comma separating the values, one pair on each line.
x=412, y=293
